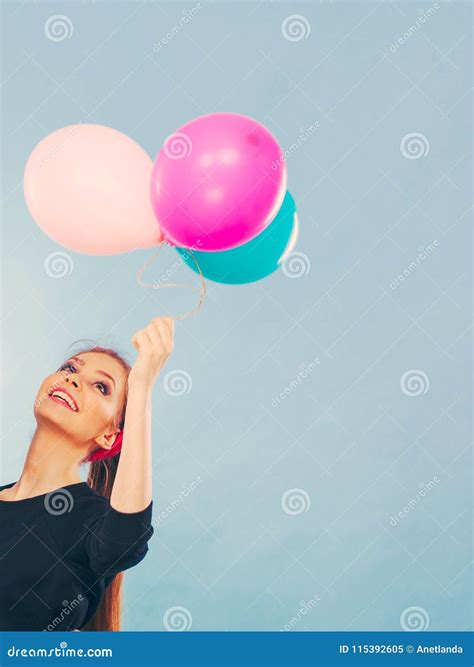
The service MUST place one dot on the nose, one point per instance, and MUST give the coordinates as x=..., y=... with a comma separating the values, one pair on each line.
x=73, y=381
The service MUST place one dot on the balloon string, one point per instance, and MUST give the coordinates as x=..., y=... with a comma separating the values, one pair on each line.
x=201, y=289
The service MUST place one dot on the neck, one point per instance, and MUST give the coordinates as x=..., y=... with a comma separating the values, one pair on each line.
x=52, y=462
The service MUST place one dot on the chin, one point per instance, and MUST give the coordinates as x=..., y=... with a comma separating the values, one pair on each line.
x=50, y=413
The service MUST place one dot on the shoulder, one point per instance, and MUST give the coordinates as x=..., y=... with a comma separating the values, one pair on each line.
x=86, y=504
x=89, y=510
x=69, y=510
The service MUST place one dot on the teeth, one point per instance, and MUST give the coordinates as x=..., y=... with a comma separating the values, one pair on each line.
x=65, y=397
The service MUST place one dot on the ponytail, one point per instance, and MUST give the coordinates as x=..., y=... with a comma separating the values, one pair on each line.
x=107, y=617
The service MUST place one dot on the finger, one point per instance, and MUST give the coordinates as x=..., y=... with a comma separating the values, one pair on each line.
x=148, y=338
x=160, y=335
x=164, y=323
x=135, y=339
x=169, y=321
x=164, y=326
x=142, y=340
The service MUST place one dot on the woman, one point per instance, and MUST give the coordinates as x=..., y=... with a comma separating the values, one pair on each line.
x=64, y=543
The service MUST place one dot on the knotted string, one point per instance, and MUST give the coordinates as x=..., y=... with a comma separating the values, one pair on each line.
x=201, y=289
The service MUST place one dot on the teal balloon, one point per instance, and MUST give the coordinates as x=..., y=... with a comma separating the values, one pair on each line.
x=253, y=260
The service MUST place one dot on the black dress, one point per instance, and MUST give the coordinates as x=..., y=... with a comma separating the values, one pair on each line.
x=58, y=553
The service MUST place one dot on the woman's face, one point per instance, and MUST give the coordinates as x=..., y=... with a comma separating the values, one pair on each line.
x=83, y=399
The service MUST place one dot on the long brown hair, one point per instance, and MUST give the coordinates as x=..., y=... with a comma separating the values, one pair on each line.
x=101, y=476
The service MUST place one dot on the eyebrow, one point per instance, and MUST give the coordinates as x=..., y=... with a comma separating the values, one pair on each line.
x=82, y=362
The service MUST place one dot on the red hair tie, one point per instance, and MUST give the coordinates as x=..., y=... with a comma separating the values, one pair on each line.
x=107, y=453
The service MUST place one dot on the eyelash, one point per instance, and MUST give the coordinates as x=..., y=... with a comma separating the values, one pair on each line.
x=102, y=384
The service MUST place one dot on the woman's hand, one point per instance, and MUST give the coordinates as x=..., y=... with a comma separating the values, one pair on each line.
x=154, y=344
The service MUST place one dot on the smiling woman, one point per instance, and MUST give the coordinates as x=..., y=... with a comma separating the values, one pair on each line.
x=65, y=543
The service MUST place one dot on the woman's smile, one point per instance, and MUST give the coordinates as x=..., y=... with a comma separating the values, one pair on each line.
x=64, y=398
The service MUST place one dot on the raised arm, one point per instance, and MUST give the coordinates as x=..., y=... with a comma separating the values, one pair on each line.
x=132, y=489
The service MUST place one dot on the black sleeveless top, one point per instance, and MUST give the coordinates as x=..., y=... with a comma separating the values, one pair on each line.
x=58, y=553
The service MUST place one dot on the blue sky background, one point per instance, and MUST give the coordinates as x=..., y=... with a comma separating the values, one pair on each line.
x=306, y=412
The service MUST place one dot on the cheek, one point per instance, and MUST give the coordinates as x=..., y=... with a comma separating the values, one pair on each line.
x=98, y=411
x=42, y=394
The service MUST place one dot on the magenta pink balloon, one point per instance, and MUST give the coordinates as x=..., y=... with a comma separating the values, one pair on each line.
x=218, y=182
x=87, y=187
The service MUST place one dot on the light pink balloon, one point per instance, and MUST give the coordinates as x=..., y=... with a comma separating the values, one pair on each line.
x=87, y=187
x=218, y=182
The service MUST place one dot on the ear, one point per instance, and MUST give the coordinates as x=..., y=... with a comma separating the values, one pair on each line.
x=106, y=440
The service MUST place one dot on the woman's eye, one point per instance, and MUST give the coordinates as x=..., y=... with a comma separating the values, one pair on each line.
x=103, y=388
x=68, y=366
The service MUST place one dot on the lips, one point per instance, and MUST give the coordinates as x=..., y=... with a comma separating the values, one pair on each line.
x=64, y=397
